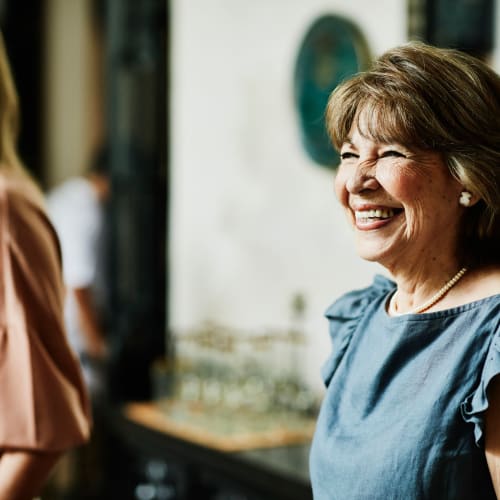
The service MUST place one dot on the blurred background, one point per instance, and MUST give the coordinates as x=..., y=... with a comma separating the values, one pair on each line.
x=224, y=241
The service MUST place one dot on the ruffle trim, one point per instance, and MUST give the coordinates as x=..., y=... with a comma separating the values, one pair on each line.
x=477, y=403
x=344, y=316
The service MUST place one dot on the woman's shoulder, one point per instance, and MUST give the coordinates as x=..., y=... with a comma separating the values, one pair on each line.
x=19, y=190
x=352, y=304
x=24, y=224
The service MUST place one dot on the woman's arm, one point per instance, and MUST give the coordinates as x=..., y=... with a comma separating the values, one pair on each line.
x=492, y=444
x=23, y=474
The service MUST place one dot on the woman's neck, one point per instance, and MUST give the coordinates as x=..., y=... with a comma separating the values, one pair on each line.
x=449, y=287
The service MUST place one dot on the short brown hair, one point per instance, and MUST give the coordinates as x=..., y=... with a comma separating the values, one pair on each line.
x=436, y=99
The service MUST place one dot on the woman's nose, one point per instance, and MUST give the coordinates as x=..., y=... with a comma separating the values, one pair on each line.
x=361, y=178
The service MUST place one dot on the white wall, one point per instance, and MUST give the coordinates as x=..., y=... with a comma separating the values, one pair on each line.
x=253, y=220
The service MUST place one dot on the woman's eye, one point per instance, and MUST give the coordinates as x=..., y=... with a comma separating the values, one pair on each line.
x=392, y=153
x=347, y=155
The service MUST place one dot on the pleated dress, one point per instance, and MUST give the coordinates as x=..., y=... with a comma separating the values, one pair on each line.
x=43, y=401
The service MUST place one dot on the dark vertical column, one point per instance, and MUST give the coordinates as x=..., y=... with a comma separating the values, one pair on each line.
x=22, y=27
x=136, y=69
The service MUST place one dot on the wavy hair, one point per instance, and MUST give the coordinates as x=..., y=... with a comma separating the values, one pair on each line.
x=9, y=114
x=436, y=99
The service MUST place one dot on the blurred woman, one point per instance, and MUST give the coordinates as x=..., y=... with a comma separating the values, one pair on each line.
x=44, y=409
x=412, y=407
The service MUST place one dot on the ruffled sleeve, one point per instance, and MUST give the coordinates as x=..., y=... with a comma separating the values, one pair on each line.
x=343, y=317
x=476, y=404
x=43, y=402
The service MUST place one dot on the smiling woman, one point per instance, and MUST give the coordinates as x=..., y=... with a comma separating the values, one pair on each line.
x=412, y=383
x=408, y=196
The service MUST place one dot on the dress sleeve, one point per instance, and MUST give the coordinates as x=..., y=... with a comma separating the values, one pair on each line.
x=343, y=318
x=476, y=404
x=43, y=401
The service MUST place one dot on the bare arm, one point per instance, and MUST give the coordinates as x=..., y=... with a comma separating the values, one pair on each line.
x=493, y=433
x=89, y=323
x=23, y=474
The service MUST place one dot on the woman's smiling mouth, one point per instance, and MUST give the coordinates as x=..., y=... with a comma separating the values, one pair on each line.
x=374, y=218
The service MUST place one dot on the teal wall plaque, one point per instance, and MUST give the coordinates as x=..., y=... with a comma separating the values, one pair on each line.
x=333, y=49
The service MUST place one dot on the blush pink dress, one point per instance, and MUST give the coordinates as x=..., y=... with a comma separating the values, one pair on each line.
x=43, y=401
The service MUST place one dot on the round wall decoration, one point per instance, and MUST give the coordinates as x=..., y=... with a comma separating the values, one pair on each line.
x=333, y=49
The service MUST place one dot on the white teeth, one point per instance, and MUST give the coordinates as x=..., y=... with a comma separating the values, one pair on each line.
x=374, y=214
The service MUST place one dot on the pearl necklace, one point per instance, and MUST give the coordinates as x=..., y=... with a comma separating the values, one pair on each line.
x=433, y=300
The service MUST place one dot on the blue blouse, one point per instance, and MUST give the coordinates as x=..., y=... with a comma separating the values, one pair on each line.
x=402, y=416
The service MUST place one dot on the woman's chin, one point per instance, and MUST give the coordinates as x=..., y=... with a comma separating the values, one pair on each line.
x=372, y=253
x=369, y=257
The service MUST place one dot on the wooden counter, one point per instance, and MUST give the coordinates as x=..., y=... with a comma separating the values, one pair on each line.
x=269, y=461
x=220, y=429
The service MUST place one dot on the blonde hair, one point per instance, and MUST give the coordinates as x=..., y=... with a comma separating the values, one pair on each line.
x=436, y=99
x=9, y=114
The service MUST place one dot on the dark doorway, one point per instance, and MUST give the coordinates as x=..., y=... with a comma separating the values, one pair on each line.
x=22, y=25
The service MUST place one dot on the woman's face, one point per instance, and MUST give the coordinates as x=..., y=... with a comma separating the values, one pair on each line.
x=402, y=204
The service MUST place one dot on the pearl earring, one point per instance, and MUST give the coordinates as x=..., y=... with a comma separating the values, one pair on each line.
x=465, y=198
